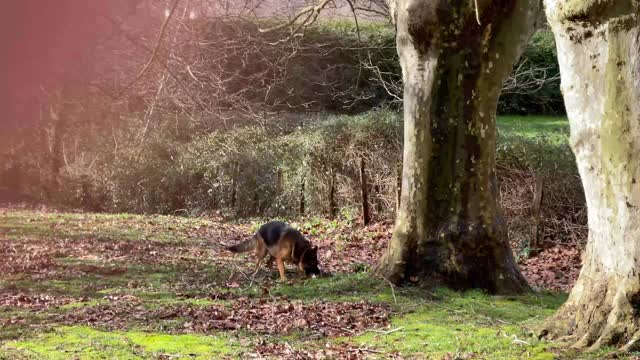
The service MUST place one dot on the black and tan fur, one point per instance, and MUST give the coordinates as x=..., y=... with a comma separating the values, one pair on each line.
x=282, y=243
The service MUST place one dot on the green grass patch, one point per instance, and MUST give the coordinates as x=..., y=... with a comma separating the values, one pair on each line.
x=556, y=128
x=347, y=287
x=491, y=327
x=36, y=224
x=80, y=342
x=536, y=143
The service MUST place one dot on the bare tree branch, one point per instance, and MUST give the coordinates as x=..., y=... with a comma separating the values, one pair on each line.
x=311, y=12
x=528, y=79
x=155, y=50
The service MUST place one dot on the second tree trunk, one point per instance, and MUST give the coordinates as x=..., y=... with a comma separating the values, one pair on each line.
x=454, y=58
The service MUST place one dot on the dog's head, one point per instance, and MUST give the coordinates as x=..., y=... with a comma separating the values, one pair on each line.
x=309, y=262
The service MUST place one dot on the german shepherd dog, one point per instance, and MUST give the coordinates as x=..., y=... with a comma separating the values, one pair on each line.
x=282, y=243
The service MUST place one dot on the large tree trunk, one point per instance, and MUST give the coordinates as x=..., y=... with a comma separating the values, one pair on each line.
x=449, y=227
x=599, y=54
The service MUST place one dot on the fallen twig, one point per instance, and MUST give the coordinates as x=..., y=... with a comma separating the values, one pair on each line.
x=518, y=341
x=367, y=350
x=386, y=332
x=393, y=292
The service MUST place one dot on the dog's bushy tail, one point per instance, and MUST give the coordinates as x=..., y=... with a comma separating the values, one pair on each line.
x=244, y=246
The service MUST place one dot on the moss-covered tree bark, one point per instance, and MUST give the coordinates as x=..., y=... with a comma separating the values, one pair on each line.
x=455, y=55
x=599, y=54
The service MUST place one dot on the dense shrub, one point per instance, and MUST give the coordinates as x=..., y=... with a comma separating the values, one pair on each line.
x=522, y=160
x=259, y=171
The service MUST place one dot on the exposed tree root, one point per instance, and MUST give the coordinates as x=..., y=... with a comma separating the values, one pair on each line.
x=461, y=260
x=599, y=312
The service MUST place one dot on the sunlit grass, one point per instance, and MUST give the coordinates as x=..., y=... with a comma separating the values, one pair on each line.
x=81, y=342
x=531, y=126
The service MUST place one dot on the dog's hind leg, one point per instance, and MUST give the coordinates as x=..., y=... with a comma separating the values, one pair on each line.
x=270, y=262
x=258, y=263
x=280, y=263
x=261, y=252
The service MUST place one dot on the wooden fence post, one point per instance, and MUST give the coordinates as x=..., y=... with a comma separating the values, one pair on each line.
x=536, y=229
x=398, y=184
x=234, y=174
x=302, y=197
x=332, y=191
x=366, y=215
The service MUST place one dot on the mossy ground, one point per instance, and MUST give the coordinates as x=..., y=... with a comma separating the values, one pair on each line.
x=183, y=265
x=89, y=343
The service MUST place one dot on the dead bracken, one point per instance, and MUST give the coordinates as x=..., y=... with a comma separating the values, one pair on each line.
x=276, y=316
x=34, y=301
